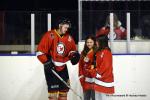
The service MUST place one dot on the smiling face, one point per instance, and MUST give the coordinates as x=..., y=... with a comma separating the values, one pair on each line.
x=90, y=43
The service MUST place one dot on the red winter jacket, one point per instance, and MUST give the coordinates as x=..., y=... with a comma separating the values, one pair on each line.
x=86, y=64
x=102, y=76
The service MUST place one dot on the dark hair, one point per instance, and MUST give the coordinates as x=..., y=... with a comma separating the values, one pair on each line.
x=63, y=21
x=103, y=42
x=86, y=49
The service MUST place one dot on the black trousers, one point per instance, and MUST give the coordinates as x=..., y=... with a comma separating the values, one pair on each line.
x=89, y=95
x=55, y=84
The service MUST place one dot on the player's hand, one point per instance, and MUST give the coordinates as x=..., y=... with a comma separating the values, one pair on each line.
x=74, y=57
x=49, y=65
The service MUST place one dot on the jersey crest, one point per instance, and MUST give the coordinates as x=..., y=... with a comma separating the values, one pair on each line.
x=60, y=48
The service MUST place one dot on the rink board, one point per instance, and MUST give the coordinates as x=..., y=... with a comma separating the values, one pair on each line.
x=22, y=78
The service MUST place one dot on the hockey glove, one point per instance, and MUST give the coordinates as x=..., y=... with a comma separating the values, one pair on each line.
x=75, y=58
x=49, y=65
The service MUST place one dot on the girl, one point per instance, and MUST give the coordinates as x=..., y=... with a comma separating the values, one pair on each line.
x=86, y=63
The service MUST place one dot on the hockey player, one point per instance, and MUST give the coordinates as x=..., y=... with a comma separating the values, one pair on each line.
x=85, y=64
x=54, y=50
x=119, y=33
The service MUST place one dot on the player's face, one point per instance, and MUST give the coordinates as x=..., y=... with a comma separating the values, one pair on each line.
x=90, y=43
x=63, y=28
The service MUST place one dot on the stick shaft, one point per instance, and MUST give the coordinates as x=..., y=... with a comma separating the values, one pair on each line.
x=66, y=84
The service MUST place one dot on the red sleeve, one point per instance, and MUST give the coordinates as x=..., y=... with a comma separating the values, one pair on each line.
x=81, y=74
x=102, y=31
x=44, y=46
x=105, y=67
x=72, y=46
x=125, y=34
x=80, y=67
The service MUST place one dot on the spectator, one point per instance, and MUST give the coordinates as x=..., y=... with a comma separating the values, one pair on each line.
x=119, y=31
x=85, y=64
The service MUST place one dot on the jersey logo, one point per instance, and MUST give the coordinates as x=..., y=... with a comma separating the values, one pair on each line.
x=86, y=59
x=60, y=48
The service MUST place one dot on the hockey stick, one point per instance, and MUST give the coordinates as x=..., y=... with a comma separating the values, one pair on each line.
x=66, y=84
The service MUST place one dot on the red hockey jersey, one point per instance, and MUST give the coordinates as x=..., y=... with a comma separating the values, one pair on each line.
x=102, y=76
x=56, y=46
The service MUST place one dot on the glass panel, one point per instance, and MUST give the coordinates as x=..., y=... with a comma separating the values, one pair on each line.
x=15, y=32
x=94, y=18
x=15, y=29
x=140, y=25
x=97, y=20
